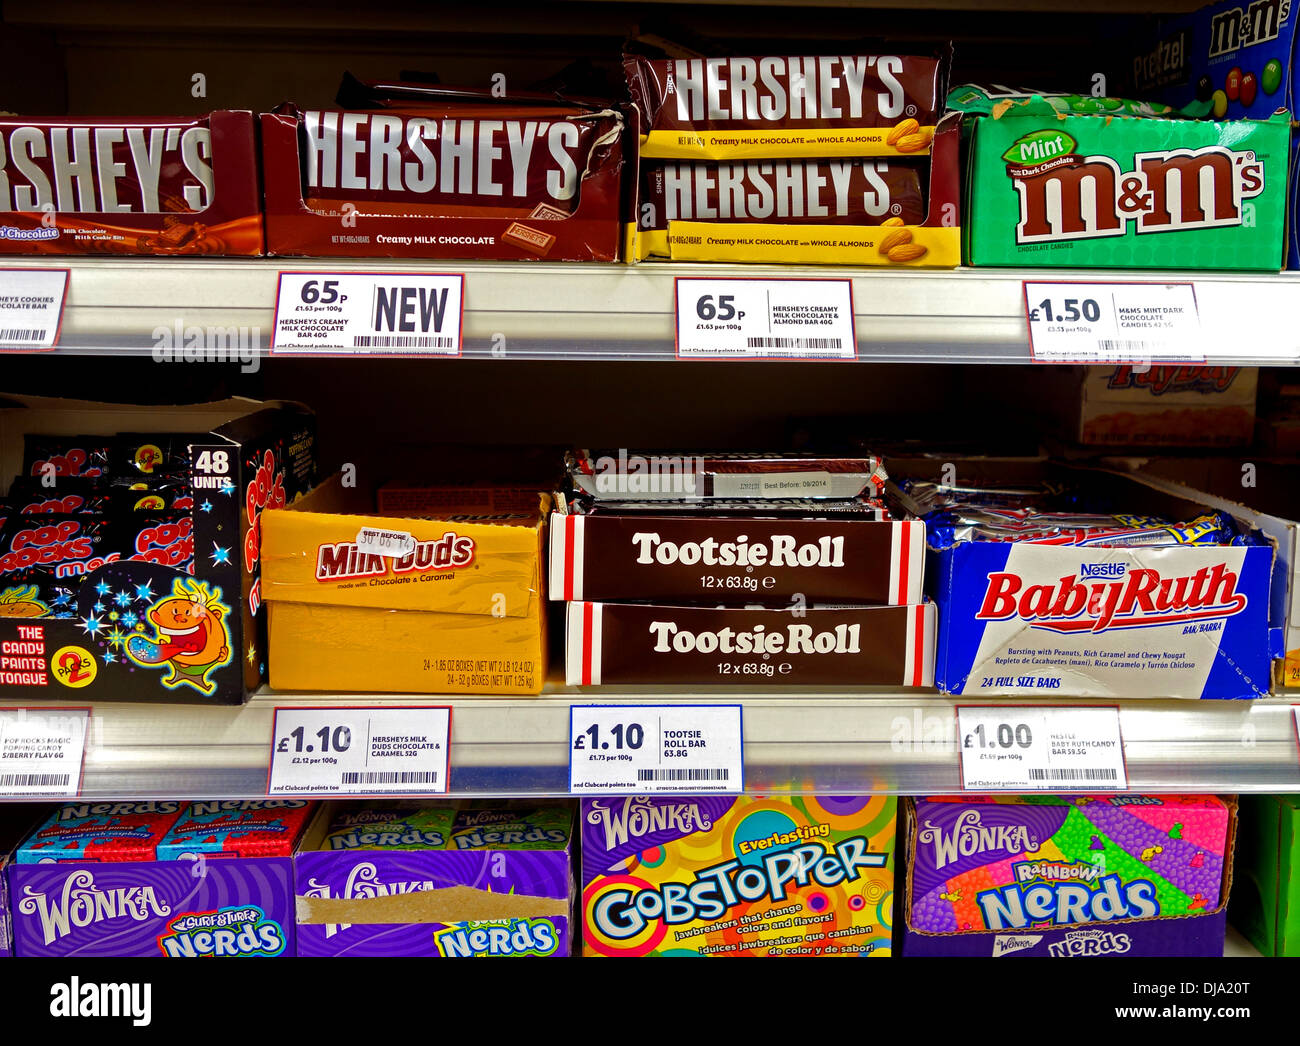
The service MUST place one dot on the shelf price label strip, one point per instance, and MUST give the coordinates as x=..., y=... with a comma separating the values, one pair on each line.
x=389, y=314
x=757, y=319
x=646, y=749
x=1114, y=322
x=42, y=751
x=1017, y=748
x=31, y=308
x=360, y=752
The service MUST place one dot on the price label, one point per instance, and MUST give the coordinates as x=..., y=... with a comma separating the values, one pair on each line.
x=765, y=319
x=1114, y=323
x=360, y=751
x=1026, y=749
x=630, y=749
x=368, y=314
x=31, y=307
x=42, y=751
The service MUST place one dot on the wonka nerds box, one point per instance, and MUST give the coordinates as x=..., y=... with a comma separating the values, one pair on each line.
x=436, y=879
x=738, y=875
x=102, y=879
x=1062, y=876
x=1051, y=186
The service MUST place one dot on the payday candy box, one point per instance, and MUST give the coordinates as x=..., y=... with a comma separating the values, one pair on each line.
x=1025, y=619
x=114, y=893
x=130, y=185
x=404, y=603
x=1066, y=876
x=795, y=646
x=444, y=180
x=1081, y=190
x=436, y=880
x=133, y=630
x=766, y=557
x=738, y=876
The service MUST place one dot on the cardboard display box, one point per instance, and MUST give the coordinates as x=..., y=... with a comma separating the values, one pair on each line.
x=1266, y=901
x=110, y=641
x=366, y=602
x=1067, y=876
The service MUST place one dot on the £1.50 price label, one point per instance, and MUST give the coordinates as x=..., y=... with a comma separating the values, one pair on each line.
x=631, y=749
x=341, y=751
x=765, y=319
x=1113, y=322
x=1020, y=748
x=368, y=314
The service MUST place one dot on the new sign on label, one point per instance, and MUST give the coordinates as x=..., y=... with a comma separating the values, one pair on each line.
x=371, y=314
x=765, y=319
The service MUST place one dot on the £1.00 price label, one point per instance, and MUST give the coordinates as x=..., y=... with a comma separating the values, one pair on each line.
x=630, y=749
x=342, y=751
x=1017, y=748
x=370, y=314
x=765, y=319
x=1113, y=322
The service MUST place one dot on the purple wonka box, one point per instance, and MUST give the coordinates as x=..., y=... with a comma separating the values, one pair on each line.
x=209, y=905
x=436, y=879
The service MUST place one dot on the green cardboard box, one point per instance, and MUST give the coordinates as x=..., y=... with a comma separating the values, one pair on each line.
x=1265, y=903
x=1052, y=186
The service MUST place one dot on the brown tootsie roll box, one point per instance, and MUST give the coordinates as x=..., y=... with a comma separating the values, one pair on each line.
x=446, y=178
x=812, y=646
x=849, y=552
x=144, y=185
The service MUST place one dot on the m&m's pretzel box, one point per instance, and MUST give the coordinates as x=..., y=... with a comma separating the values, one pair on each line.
x=738, y=876
x=130, y=555
x=101, y=879
x=236, y=828
x=1062, y=876
x=447, y=602
x=184, y=185
x=1232, y=59
x=436, y=879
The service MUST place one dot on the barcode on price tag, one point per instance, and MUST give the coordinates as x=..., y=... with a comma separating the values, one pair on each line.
x=765, y=319
x=42, y=751
x=1022, y=748
x=343, y=751
x=355, y=313
x=31, y=307
x=631, y=749
x=1113, y=322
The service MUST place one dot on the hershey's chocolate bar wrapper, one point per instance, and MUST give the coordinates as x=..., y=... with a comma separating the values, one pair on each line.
x=816, y=646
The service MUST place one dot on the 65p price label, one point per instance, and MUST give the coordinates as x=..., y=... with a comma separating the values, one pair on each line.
x=360, y=751
x=1016, y=748
x=765, y=319
x=639, y=749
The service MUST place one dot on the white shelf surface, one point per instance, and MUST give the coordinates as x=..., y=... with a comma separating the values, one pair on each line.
x=827, y=741
x=615, y=312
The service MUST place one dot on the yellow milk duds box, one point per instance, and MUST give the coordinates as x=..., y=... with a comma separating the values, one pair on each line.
x=360, y=601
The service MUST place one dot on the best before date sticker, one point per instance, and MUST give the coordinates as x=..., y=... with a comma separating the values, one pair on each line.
x=1019, y=748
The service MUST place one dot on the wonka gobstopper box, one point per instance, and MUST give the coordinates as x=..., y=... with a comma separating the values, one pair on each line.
x=142, y=879
x=738, y=875
x=1067, y=875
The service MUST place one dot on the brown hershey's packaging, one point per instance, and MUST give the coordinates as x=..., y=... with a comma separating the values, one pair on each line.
x=703, y=557
x=812, y=646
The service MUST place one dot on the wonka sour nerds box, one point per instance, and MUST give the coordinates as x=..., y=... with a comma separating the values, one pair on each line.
x=1068, y=875
x=738, y=875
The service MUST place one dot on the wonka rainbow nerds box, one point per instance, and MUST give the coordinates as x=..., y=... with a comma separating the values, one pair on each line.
x=1063, y=875
x=738, y=875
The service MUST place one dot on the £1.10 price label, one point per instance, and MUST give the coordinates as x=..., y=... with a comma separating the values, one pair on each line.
x=1030, y=749
x=631, y=749
x=765, y=319
x=340, y=751
x=368, y=314
x=1130, y=322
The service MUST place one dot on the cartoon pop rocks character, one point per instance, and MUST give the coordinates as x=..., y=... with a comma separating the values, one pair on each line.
x=192, y=636
x=21, y=602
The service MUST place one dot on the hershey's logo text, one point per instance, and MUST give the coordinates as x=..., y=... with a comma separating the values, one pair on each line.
x=775, y=89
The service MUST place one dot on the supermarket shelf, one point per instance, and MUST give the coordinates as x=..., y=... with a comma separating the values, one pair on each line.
x=837, y=742
x=615, y=312
x=1235, y=946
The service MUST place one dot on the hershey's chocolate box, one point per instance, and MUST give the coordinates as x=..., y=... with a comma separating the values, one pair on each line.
x=792, y=646
x=704, y=557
